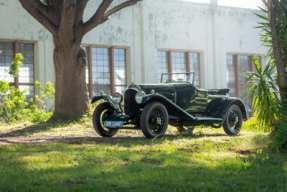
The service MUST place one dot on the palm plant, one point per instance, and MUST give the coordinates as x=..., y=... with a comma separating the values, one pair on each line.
x=264, y=92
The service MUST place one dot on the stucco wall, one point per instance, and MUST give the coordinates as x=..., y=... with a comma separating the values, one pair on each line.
x=209, y=29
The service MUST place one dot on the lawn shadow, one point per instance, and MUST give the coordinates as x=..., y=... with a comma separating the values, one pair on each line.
x=29, y=130
x=174, y=171
x=125, y=141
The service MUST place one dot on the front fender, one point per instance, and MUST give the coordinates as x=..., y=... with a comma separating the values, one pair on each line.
x=106, y=98
x=227, y=103
x=172, y=109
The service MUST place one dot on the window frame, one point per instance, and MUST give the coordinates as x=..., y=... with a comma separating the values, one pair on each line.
x=237, y=85
x=187, y=61
x=16, y=79
x=112, y=71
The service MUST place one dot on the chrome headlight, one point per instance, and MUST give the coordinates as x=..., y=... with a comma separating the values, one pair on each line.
x=117, y=98
x=139, y=97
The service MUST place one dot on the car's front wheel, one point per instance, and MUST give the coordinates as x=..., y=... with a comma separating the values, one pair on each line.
x=102, y=111
x=233, y=123
x=154, y=120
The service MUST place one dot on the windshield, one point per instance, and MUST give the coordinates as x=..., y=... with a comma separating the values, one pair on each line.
x=177, y=77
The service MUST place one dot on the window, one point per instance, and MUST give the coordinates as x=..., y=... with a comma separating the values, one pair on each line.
x=235, y=79
x=231, y=74
x=178, y=62
x=106, y=70
x=6, y=59
x=26, y=71
x=162, y=64
x=194, y=67
x=120, y=70
x=25, y=79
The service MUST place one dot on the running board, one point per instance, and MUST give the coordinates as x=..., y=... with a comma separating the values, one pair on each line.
x=208, y=119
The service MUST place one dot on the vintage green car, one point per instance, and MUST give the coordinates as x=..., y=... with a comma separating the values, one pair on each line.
x=175, y=101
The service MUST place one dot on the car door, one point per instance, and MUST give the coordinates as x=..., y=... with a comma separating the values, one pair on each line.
x=184, y=92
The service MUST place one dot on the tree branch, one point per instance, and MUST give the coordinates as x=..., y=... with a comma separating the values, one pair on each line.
x=38, y=15
x=96, y=19
x=47, y=11
x=80, y=7
x=100, y=16
x=68, y=17
x=119, y=7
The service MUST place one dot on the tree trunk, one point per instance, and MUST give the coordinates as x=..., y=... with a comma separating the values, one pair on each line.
x=278, y=56
x=71, y=90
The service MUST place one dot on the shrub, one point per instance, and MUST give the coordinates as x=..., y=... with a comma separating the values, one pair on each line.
x=14, y=106
x=252, y=125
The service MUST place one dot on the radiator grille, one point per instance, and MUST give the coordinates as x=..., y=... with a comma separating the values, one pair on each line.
x=131, y=106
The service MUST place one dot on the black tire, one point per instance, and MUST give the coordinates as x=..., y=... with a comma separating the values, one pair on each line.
x=100, y=112
x=154, y=120
x=185, y=129
x=232, y=125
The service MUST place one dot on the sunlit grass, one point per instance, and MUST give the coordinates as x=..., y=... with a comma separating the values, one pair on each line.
x=187, y=163
x=209, y=160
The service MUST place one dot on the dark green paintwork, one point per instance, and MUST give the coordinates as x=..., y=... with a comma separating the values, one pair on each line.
x=182, y=100
x=227, y=103
x=107, y=99
x=171, y=107
x=166, y=90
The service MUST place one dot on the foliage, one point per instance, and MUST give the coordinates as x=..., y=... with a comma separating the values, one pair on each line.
x=12, y=103
x=281, y=27
x=280, y=136
x=280, y=7
x=264, y=92
x=47, y=93
x=14, y=106
x=252, y=125
x=16, y=64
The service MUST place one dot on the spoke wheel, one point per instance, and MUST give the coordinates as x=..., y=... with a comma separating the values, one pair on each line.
x=233, y=123
x=185, y=129
x=101, y=112
x=154, y=120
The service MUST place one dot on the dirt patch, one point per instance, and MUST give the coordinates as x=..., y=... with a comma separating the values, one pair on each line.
x=241, y=152
x=158, y=151
x=150, y=161
x=244, y=152
x=189, y=150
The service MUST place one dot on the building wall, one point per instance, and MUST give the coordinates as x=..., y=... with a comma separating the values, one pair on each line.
x=211, y=30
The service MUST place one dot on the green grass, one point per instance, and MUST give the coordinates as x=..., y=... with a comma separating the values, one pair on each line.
x=202, y=162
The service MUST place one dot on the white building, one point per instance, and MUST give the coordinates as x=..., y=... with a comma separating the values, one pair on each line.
x=145, y=40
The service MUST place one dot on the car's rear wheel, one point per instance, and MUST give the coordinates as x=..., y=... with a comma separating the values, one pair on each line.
x=186, y=129
x=102, y=111
x=154, y=120
x=233, y=123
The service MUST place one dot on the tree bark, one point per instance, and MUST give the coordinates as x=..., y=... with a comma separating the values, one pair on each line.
x=278, y=55
x=71, y=90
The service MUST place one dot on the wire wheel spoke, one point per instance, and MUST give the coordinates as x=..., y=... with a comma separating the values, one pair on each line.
x=156, y=120
x=233, y=119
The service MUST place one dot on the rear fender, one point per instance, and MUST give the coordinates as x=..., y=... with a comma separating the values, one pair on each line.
x=106, y=98
x=227, y=103
x=172, y=109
